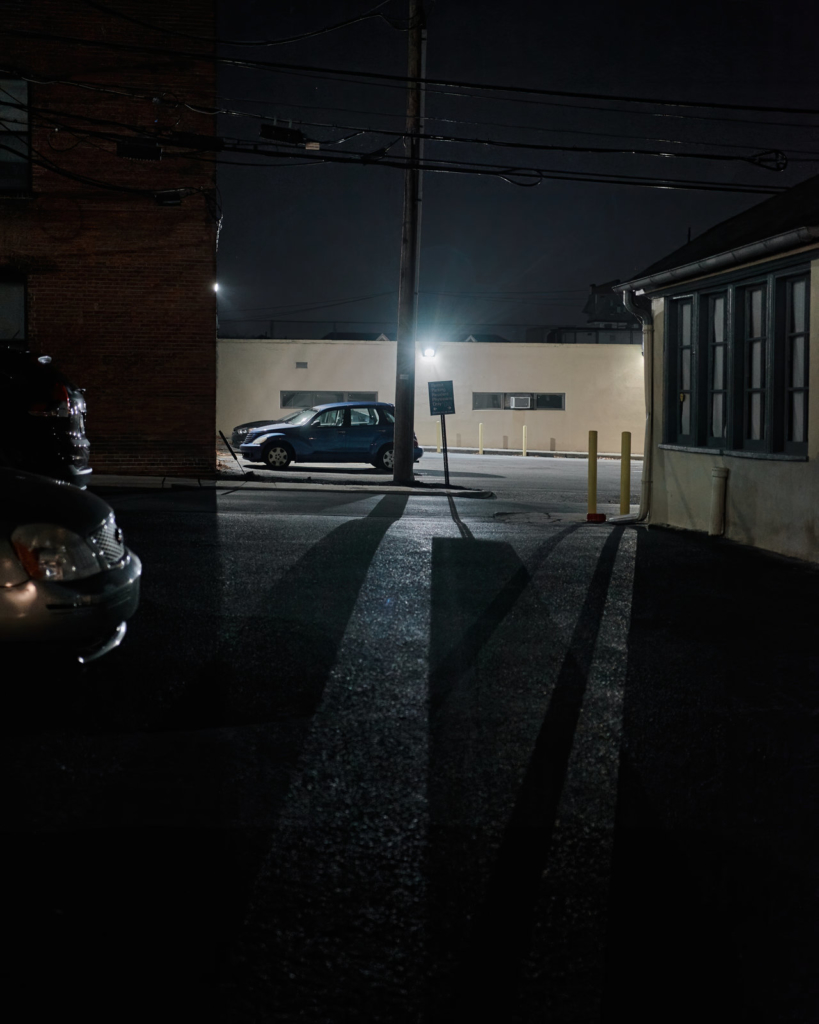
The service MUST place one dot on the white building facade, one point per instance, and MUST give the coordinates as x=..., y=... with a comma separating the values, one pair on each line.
x=557, y=391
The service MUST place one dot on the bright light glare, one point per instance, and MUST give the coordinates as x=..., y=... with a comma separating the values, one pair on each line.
x=216, y=287
x=429, y=352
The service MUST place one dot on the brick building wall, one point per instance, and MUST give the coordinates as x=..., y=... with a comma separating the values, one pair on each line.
x=119, y=289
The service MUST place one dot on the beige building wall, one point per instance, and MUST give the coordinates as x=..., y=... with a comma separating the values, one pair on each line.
x=603, y=385
x=770, y=503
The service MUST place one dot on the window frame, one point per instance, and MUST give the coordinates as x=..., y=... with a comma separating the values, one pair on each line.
x=674, y=382
x=27, y=187
x=772, y=384
x=790, y=446
x=707, y=374
x=505, y=397
x=20, y=279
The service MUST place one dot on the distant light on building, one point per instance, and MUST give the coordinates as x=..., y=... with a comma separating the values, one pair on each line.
x=428, y=352
x=216, y=287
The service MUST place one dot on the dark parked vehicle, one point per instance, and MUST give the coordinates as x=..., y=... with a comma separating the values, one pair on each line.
x=66, y=578
x=42, y=419
x=239, y=435
x=342, y=432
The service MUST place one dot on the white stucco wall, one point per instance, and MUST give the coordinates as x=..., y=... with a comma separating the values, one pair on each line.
x=603, y=385
x=770, y=504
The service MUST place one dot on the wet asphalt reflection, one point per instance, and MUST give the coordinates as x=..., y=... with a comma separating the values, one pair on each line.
x=407, y=759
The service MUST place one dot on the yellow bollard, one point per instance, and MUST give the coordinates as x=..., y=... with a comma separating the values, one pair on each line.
x=524, y=438
x=593, y=516
x=625, y=473
x=438, y=436
x=480, y=439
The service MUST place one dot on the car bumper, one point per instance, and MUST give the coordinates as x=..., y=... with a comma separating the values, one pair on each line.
x=253, y=452
x=78, y=613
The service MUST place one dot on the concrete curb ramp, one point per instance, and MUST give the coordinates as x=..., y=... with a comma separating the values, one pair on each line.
x=167, y=482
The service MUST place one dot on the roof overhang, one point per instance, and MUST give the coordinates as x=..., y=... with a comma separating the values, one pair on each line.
x=724, y=260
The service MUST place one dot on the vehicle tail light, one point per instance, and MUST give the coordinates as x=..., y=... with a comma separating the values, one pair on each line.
x=60, y=404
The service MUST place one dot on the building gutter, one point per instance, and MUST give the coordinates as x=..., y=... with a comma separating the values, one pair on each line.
x=724, y=260
x=641, y=308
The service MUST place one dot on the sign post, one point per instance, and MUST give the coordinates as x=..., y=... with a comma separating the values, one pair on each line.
x=442, y=403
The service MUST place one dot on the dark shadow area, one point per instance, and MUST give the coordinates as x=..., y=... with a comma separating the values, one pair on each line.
x=713, y=912
x=479, y=588
x=128, y=924
x=503, y=925
x=301, y=468
x=112, y=912
x=274, y=659
x=136, y=837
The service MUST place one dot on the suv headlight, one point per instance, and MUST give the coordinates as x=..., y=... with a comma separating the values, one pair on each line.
x=50, y=552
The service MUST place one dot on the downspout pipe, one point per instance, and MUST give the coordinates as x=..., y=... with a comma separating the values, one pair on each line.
x=640, y=307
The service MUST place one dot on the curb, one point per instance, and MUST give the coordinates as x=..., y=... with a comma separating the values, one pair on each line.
x=529, y=453
x=234, y=484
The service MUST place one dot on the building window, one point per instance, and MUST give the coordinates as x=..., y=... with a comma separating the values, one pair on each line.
x=307, y=399
x=14, y=137
x=717, y=368
x=556, y=401
x=517, y=400
x=12, y=310
x=737, y=366
x=684, y=346
x=796, y=363
x=755, y=355
x=487, y=400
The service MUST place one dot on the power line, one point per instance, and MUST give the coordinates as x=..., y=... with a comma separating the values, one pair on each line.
x=518, y=127
x=527, y=176
x=531, y=175
x=770, y=160
x=212, y=111
x=372, y=13
x=383, y=77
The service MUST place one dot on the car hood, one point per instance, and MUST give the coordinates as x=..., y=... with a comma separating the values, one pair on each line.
x=254, y=424
x=29, y=498
x=266, y=427
x=275, y=425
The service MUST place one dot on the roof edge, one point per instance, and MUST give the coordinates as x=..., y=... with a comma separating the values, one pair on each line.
x=724, y=260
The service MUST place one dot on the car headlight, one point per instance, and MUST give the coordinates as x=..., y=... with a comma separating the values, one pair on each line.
x=50, y=552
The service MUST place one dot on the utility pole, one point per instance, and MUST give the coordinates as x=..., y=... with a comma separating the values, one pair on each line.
x=410, y=250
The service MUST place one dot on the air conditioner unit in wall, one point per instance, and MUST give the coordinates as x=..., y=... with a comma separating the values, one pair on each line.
x=519, y=402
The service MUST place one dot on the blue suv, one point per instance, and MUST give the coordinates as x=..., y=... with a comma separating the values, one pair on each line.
x=342, y=432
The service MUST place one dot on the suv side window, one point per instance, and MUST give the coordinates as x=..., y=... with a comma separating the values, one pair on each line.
x=387, y=415
x=363, y=416
x=329, y=418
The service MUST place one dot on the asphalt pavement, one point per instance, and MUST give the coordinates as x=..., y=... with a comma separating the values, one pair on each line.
x=397, y=758
x=559, y=483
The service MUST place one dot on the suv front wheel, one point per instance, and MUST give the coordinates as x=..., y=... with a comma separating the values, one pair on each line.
x=277, y=455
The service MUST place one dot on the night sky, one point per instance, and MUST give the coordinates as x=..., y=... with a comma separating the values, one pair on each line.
x=496, y=257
